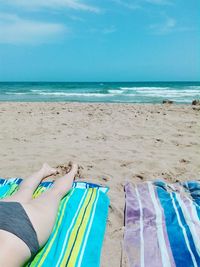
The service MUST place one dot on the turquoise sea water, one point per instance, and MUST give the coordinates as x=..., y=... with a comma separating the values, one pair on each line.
x=114, y=92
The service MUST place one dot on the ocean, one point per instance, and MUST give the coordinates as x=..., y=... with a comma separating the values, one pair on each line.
x=107, y=92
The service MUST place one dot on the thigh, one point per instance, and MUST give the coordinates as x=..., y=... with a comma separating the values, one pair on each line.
x=42, y=214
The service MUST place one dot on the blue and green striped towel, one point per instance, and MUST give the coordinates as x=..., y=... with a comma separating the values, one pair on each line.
x=78, y=233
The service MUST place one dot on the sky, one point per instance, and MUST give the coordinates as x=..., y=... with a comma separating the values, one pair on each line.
x=99, y=40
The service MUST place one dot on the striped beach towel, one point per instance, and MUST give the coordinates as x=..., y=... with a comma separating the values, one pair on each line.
x=162, y=224
x=77, y=237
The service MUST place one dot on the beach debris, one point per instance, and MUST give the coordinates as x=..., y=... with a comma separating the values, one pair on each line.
x=105, y=178
x=141, y=177
x=158, y=140
x=79, y=172
x=167, y=101
x=184, y=161
x=64, y=168
x=89, y=167
x=196, y=102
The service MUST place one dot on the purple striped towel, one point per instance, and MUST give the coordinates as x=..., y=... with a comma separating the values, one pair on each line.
x=162, y=224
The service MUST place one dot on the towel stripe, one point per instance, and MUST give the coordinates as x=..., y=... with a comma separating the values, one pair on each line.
x=70, y=228
x=81, y=231
x=178, y=244
x=141, y=229
x=160, y=232
x=185, y=229
x=88, y=230
x=151, y=249
x=187, y=212
x=132, y=229
x=63, y=258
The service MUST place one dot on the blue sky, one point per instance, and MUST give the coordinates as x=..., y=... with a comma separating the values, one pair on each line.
x=104, y=40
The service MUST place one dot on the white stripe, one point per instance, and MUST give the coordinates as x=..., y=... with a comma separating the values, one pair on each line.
x=160, y=231
x=69, y=229
x=190, y=221
x=141, y=229
x=88, y=231
x=184, y=231
x=194, y=213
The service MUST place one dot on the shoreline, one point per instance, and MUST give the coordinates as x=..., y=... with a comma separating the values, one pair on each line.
x=113, y=142
x=109, y=103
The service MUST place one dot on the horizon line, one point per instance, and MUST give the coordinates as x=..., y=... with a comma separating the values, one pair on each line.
x=128, y=81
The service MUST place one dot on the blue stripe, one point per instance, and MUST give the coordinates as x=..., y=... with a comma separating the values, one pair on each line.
x=194, y=191
x=185, y=225
x=70, y=212
x=175, y=234
x=92, y=253
x=80, y=226
x=90, y=215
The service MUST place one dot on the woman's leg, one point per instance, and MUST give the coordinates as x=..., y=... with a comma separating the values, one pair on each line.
x=42, y=210
x=30, y=183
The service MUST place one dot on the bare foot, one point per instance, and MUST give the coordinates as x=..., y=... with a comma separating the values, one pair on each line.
x=71, y=174
x=46, y=170
x=64, y=183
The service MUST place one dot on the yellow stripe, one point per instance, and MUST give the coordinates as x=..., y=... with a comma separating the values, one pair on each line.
x=55, y=234
x=39, y=191
x=75, y=229
x=81, y=233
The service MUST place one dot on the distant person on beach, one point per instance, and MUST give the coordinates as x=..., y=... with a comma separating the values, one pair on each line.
x=26, y=223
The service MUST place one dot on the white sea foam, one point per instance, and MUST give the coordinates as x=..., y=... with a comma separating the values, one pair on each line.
x=170, y=92
x=37, y=90
x=136, y=94
x=194, y=87
x=16, y=93
x=116, y=91
x=143, y=88
x=182, y=100
x=73, y=94
x=130, y=95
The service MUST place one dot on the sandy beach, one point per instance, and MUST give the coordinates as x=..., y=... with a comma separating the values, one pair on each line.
x=113, y=143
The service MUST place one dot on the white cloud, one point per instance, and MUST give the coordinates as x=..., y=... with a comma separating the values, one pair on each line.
x=128, y=4
x=164, y=28
x=136, y=4
x=168, y=26
x=16, y=30
x=51, y=4
x=159, y=2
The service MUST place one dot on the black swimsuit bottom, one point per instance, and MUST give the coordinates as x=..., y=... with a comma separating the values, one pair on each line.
x=14, y=219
